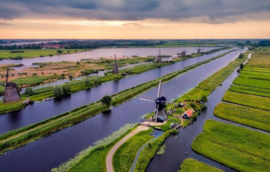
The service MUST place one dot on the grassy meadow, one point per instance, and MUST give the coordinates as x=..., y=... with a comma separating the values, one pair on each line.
x=30, y=53
x=192, y=165
x=252, y=117
x=247, y=100
x=250, y=90
x=124, y=156
x=236, y=147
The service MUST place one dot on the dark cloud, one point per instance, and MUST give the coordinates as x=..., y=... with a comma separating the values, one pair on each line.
x=214, y=11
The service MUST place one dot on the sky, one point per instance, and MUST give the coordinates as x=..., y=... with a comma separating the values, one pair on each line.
x=134, y=19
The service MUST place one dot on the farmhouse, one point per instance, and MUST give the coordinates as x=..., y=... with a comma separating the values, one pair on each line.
x=188, y=114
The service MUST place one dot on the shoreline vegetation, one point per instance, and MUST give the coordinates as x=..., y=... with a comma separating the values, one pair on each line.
x=193, y=165
x=24, y=135
x=76, y=86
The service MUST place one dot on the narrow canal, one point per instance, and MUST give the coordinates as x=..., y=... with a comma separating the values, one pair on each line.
x=49, y=152
x=43, y=110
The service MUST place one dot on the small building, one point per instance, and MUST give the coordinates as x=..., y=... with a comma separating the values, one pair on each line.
x=188, y=114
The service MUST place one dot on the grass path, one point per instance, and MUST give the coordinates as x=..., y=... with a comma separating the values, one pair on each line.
x=109, y=158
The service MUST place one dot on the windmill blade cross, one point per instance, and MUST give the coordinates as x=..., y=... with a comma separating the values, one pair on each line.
x=156, y=113
x=149, y=100
x=159, y=87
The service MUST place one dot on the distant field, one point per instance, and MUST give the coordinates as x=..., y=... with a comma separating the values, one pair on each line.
x=192, y=165
x=247, y=100
x=252, y=117
x=260, y=59
x=250, y=90
x=237, y=147
x=186, y=45
x=4, y=54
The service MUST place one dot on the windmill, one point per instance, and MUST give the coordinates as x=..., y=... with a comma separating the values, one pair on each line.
x=160, y=102
x=11, y=93
x=115, y=67
x=183, y=53
x=159, y=58
x=199, y=50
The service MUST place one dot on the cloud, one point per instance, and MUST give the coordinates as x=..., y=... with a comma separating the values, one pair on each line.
x=205, y=11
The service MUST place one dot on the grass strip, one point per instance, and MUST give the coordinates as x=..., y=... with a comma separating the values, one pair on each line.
x=124, y=156
x=255, y=118
x=252, y=82
x=24, y=135
x=149, y=152
x=247, y=100
x=250, y=90
x=192, y=165
x=237, y=147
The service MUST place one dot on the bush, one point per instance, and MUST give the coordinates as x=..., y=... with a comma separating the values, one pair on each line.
x=106, y=100
x=57, y=91
x=28, y=91
x=241, y=56
x=66, y=89
x=204, y=99
x=87, y=83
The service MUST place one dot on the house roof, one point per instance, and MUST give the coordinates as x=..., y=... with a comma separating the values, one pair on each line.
x=189, y=112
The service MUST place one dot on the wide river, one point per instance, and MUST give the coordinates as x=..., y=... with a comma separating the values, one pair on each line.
x=98, y=53
x=43, y=110
x=49, y=152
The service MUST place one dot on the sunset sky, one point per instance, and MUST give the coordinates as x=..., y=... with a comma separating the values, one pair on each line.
x=134, y=19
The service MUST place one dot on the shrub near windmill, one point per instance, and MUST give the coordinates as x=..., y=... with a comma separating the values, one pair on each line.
x=11, y=93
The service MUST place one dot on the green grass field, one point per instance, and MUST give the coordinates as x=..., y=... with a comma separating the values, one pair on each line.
x=252, y=117
x=33, y=80
x=260, y=59
x=124, y=156
x=247, y=100
x=250, y=90
x=29, y=53
x=236, y=147
x=252, y=82
x=192, y=165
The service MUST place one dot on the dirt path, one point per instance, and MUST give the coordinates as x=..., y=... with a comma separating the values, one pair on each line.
x=109, y=158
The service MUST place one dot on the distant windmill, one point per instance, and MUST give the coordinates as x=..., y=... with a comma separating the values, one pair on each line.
x=183, y=53
x=115, y=67
x=159, y=58
x=11, y=91
x=160, y=102
x=199, y=50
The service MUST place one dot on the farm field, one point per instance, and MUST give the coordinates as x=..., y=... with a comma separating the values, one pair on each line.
x=236, y=147
x=250, y=90
x=252, y=82
x=252, y=117
x=31, y=53
x=192, y=165
x=247, y=100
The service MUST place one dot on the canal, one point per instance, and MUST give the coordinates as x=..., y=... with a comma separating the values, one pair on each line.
x=46, y=109
x=49, y=152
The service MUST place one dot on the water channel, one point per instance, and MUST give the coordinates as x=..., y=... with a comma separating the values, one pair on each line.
x=49, y=152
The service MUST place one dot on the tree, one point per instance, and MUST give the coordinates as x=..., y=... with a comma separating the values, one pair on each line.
x=87, y=83
x=66, y=89
x=59, y=51
x=78, y=62
x=241, y=66
x=57, y=91
x=28, y=91
x=106, y=100
x=193, y=106
x=241, y=56
x=204, y=99
x=96, y=82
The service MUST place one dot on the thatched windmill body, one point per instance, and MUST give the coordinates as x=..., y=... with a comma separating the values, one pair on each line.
x=11, y=93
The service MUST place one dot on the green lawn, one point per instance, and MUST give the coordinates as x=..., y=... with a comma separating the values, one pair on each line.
x=252, y=82
x=237, y=147
x=250, y=90
x=124, y=156
x=29, y=53
x=192, y=165
x=252, y=117
x=247, y=100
